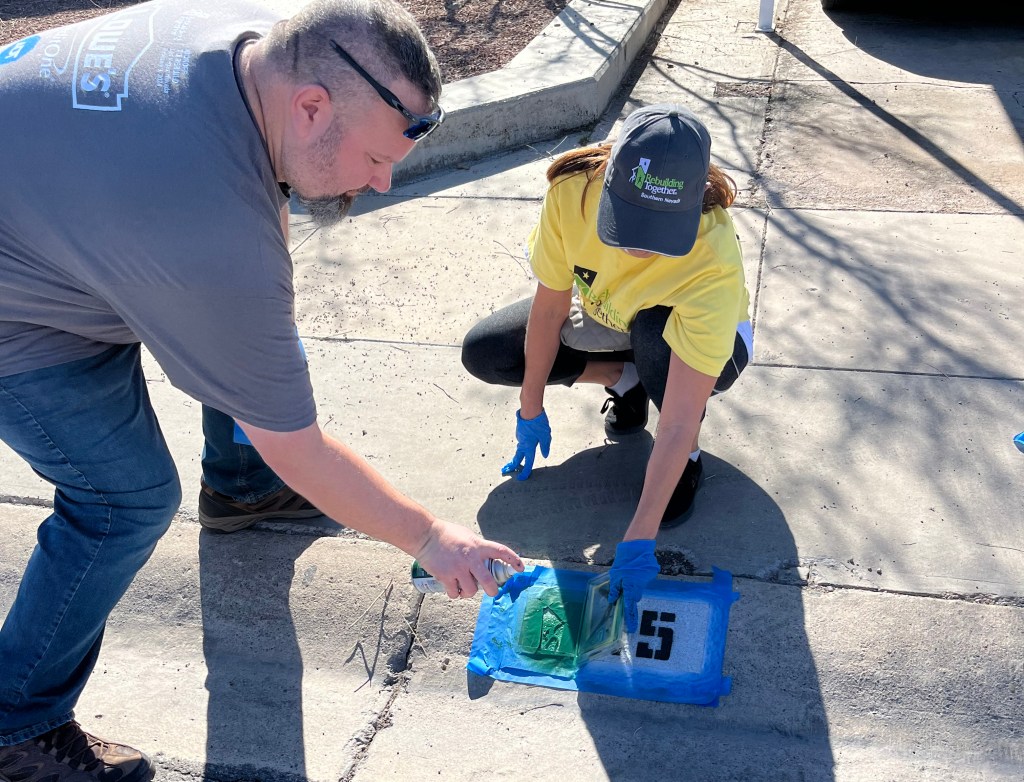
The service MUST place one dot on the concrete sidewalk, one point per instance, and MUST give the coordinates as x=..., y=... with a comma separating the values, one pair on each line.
x=861, y=483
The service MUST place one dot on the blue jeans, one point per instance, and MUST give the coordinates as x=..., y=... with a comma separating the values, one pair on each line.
x=233, y=468
x=88, y=428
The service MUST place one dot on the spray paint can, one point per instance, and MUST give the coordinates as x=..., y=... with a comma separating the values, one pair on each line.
x=426, y=583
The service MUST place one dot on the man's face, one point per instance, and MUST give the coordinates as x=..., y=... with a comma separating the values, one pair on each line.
x=354, y=152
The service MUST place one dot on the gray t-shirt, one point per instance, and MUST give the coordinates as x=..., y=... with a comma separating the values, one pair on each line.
x=138, y=204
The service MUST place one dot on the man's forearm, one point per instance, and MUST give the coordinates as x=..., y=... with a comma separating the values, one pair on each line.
x=343, y=485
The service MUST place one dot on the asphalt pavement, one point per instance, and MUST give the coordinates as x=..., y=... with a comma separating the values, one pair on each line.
x=861, y=483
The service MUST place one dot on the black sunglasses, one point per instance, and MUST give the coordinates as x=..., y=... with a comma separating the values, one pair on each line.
x=420, y=125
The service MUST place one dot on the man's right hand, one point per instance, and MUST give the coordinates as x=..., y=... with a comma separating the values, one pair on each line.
x=530, y=433
x=457, y=557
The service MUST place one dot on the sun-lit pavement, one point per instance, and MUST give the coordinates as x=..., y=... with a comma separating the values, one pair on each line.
x=861, y=483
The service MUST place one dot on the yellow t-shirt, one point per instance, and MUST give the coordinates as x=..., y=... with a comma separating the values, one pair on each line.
x=704, y=288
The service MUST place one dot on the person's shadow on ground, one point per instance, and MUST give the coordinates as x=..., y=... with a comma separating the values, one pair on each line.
x=254, y=665
x=774, y=719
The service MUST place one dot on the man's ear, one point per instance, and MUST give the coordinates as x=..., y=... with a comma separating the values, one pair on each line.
x=311, y=111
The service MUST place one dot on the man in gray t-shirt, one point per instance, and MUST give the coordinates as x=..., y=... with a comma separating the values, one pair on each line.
x=144, y=156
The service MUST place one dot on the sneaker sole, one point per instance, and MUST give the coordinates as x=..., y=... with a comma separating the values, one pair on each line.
x=148, y=777
x=682, y=517
x=236, y=523
x=685, y=515
x=613, y=434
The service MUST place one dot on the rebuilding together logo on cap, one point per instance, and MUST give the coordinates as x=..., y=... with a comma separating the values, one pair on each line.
x=655, y=187
x=654, y=181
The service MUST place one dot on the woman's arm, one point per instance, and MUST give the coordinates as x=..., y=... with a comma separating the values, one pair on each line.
x=547, y=314
x=686, y=393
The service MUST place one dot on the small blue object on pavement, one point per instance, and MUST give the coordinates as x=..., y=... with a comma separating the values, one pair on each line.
x=676, y=657
x=1019, y=442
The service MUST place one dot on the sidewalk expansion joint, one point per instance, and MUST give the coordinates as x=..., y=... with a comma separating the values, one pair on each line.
x=869, y=371
x=378, y=341
x=786, y=574
x=398, y=198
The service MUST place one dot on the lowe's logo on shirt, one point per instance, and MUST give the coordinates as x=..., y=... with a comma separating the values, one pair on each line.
x=106, y=57
x=18, y=49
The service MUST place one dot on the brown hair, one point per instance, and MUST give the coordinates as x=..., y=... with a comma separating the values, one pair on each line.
x=593, y=161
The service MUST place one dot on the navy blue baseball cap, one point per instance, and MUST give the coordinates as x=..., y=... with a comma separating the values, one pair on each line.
x=654, y=184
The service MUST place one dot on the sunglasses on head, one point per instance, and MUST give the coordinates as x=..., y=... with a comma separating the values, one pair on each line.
x=420, y=125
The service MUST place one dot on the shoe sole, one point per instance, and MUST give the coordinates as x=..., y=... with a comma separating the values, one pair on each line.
x=613, y=434
x=152, y=770
x=236, y=523
x=681, y=518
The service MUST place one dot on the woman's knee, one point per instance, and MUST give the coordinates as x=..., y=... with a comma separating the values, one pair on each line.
x=478, y=353
x=493, y=349
x=651, y=352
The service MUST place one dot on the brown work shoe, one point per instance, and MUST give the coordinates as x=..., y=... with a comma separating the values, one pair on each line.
x=220, y=513
x=69, y=754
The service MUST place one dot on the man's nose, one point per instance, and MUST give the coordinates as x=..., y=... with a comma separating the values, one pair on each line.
x=381, y=179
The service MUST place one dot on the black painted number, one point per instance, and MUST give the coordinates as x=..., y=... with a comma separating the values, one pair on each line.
x=663, y=634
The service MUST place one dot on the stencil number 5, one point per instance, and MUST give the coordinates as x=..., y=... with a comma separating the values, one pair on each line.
x=663, y=634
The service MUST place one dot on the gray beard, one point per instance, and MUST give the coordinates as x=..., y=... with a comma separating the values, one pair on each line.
x=326, y=210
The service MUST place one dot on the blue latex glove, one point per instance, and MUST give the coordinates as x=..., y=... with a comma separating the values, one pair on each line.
x=529, y=434
x=634, y=568
x=1018, y=441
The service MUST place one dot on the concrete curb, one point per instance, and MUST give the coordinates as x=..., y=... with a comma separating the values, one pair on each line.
x=561, y=81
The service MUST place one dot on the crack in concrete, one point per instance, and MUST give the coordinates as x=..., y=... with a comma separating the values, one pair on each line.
x=397, y=680
x=787, y=573
x=362, y=740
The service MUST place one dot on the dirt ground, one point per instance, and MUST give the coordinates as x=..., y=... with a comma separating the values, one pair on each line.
x=468, y=37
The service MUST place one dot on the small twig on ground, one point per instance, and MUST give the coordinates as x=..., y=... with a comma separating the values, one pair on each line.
x=937, y=370
x=386, y=589
x=416, y=639
x=543, y=706
x=514, y=257
x=435, y=385
x=549, y=153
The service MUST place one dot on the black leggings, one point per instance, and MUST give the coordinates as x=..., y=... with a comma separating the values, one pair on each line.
x=493, y=351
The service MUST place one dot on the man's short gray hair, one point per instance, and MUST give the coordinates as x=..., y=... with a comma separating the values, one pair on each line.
x=380, y=34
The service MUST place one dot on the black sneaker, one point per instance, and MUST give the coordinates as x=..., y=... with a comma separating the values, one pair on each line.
x=69, y=754
x=680, y=505
x=220, y=513
x=628, y=413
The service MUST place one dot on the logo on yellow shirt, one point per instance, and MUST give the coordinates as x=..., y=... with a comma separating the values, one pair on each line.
x=585, y=279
